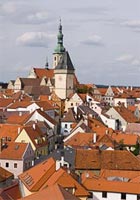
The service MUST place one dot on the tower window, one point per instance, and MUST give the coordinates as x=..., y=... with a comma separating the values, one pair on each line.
x=55, y=58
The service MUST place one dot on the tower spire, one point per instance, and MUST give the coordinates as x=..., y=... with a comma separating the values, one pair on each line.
x=59, y=48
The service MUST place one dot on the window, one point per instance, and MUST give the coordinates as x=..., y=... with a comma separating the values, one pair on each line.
x=15, y=165
x=6, y=164
x=66, y=126
x=123, y=196
x=71, y=104
x=104, y=194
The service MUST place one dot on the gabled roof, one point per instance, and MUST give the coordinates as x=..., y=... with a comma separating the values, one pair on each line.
x=40, y=72
x=64, y=179
x=9, y=131
x=80, y=140
x=30, y=81
x=51, y=120
x=108, y=159
x=34, y=132
x=100, y=185
x=126, y=114
x=20, y=104
x=51, y=192
x=65, y=62
x=5, y=102
x=18, y=119
x=11, y=192
x=5, y=174
x=34, y=180
x=70, y=116
x=13, y=151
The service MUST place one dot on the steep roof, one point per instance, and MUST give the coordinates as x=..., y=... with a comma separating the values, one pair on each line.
x=11, y=192
x=69, y=116
x=64, y=179
x=51, y=192
x=94, y=184
x=9, y=131
x=5, y=174
x=126, y=114
x=65, y=62
x=108, y=159
x=34, y=180
x=13, y=151
x=40, y=72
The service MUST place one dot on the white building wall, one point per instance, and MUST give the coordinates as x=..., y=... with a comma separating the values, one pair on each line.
x=115, y=115
x=65, y=130
x=111, y=123
x=15, y=171
x=113, y=196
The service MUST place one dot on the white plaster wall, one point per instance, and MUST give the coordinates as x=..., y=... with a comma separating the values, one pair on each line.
x=111, y=123
x=15, y=171
x=63, y=128
x=113, y=196
x=115, y=115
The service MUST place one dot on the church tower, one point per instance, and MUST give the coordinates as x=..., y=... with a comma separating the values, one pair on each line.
x=59, y=50
x=64, y=71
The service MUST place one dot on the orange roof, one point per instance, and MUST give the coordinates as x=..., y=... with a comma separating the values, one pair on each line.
x=94, y=184
x=64, y=179
x=127, y=139
x=9, y=132
x=126, y=114
x=40, y=72
x=34, y=180
x=130, y=174
x=13, y=151
x=18, y=119
x=80, y=139
x=51, y=192
x=107, y=159
x=5, y=102
x=20, y=104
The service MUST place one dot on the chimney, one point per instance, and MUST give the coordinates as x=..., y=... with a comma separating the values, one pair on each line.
x=18, y=130
x=20, y=113
x=34, y=126
x=94, y=137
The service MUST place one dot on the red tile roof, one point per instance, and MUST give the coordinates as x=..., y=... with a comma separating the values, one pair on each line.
x=13, y=151
x=34, y=180
x=94, y=184
x=50, y=193
x=40, y=72
x=107, y=159
x=9, y=132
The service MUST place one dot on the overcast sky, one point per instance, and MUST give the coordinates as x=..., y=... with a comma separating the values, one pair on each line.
x=102, y=37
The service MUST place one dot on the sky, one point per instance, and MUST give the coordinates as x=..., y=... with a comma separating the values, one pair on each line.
x=101, y=36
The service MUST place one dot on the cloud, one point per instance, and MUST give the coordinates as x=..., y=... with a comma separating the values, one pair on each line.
x=38, y=17
x=34, y=39
x=125, y=58
x=93, y=40
x=129, y=59
x=132, y=23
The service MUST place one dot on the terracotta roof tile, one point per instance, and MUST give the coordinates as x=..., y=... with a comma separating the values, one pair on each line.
x=93, y=184
x=64, y=179
x=34, y=180
x=13, y=151
x=40, y=72
x=51, y=192
x=9, y=132
x=126, y=114
x=108, y=159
